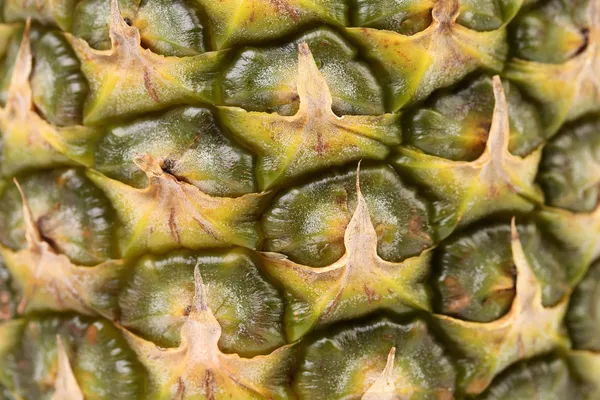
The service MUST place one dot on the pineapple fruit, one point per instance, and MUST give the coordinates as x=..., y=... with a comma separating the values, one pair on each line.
x=286, y=199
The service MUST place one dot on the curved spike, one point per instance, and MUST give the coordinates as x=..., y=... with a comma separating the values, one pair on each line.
x=593, y=13
x=384, y=388
x=32, y=233
x=65, y=386
x=23, y=62
x=117, y=23
x=200, y=302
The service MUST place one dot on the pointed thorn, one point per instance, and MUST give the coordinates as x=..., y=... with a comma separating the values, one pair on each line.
x=304, y=50
x=311, y=85
x=200, y=302
x=360, y=233
x=19, y=90
x=389, y=366
x=148, y=164
x=499, y=95
x=120, y=32
x=499, y=136
x=24, y=58
x=62, y=354
x=514, y=234
x=66, y=386
x=32, y=233
x=358, y=192
x=361, y=204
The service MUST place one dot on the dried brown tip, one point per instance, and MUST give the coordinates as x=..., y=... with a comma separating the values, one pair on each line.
x=65, y=386
x=32, y=233
x=500, y=130
x=384, y=387
x=148, y=164
x=200, y=302
x=514, y=234
x=358, y=179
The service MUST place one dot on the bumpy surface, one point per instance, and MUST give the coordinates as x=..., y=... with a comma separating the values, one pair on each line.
x=288, y=199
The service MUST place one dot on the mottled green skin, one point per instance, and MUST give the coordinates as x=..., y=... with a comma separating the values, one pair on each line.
x=165, y=141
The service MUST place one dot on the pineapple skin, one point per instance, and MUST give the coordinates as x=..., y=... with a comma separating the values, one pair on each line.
x=289, y=199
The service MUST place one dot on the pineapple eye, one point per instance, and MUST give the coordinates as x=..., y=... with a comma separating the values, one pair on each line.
x=479, y=286
x=72, y=215
x=308, y=222
x=192, y=146
x=583, y=318
x=405, y=17
x=264, y=78
x=347, y=361
x=59, y=87
x=569, y=171
x=299, y=199
x=543, y=379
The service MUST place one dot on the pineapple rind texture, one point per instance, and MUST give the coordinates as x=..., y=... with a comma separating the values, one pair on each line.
x=290, y=199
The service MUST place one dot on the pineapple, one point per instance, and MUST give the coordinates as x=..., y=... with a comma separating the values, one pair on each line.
x=285, y=199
